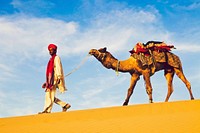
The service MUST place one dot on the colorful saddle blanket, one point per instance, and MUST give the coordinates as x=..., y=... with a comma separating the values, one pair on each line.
x=151, y=45
x=153, y=52
x=161, y=57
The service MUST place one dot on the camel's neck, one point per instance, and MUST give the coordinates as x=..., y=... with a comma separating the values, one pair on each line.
x=121, y=66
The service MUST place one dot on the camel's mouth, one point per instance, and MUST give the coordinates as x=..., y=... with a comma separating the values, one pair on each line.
x=92, y=51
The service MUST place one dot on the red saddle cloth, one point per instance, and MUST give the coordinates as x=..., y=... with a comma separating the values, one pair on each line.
x=164, y=48
x=141, y=48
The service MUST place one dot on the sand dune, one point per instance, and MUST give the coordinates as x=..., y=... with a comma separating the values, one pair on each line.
x=171, y=117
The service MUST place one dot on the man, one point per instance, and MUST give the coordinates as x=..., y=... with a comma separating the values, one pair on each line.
x=54, y=79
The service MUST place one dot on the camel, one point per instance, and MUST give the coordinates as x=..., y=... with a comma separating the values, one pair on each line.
x=134, y=68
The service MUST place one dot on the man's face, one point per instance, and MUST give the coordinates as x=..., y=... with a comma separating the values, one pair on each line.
x=52, y=51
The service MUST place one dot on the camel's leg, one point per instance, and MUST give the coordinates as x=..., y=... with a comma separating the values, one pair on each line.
x=180, y=74
x=149, y=89
x=169, y=74
x=134, y=79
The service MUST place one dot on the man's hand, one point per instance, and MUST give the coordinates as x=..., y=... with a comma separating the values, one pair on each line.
x=47, y=90
x=44, y=85
x=58, y=81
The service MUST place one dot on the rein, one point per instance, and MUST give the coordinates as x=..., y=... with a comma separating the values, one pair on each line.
x=75, y=69
x=117, y=68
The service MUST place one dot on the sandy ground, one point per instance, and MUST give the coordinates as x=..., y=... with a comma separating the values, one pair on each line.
x=171, y=117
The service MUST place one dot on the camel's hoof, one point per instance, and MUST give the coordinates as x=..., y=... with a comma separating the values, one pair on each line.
x=125, y=104
x=150, y=101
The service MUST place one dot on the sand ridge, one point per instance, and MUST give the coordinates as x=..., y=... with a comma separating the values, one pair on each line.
x=171, y=117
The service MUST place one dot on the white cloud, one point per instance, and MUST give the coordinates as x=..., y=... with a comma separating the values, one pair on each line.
x=24, y=41
x=192, y=6
x=32, y=6
x=25, y=36
x=189, y=48
x=7, y=72
x=119, y=30
x=29, y=36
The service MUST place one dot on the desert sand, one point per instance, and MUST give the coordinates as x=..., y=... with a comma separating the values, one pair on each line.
x=171, y=117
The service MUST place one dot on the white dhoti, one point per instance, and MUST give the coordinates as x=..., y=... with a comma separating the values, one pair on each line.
x=50, y=99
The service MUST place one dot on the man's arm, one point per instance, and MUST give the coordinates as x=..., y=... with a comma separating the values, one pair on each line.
x=58, y=69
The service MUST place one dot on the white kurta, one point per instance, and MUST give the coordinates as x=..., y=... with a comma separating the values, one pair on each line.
x=50, y=95
x=59, y=74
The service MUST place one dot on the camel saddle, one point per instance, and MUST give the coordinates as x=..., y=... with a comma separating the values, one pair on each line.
x=155, y=52
x=151, y=45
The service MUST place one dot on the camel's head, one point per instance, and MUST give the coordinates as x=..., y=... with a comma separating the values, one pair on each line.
x=103, y=56
x=99, y=54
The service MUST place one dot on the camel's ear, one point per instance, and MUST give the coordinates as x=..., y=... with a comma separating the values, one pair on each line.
x=103, y=50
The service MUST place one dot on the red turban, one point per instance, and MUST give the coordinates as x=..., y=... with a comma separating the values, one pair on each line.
x=53, y=46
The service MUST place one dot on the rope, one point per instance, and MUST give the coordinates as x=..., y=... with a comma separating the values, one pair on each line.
x=117, y=71
x=75, y=69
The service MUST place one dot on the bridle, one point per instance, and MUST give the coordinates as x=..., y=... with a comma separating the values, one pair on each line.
x=101, y=54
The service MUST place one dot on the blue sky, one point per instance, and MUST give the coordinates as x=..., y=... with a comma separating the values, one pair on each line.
x=27, y=27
